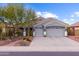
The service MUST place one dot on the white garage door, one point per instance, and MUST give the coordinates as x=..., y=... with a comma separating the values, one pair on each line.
x=38, y=32
x=53, y=32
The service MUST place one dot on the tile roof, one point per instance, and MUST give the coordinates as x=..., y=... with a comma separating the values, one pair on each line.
x=50, y=21
x=75, y=24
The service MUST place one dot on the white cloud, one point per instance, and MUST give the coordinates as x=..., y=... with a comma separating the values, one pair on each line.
x=72, y=15
x=72, y=19
x=77, y=14
x=65, y=19
x=69, y=21
x=38, y=14
x=46, y=14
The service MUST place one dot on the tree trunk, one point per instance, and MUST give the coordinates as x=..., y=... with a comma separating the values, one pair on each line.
x=28, y=31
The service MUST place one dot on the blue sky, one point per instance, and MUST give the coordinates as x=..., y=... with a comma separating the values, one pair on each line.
x=67, y=12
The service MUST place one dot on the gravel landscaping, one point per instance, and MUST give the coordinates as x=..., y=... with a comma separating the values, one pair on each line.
x=23, y=41
x=75, y=38
x=8, y=41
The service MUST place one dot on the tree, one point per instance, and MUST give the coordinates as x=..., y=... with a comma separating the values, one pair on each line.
x=30, y=19
x=16, y=15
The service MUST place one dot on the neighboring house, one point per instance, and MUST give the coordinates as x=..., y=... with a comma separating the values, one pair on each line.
x=75, y=29
x=50, y=27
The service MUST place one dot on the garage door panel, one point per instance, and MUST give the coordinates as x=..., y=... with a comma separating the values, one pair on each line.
x=38, y=32
x=55, y=32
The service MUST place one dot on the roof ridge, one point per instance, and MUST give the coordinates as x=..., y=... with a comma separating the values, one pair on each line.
x=75, y=24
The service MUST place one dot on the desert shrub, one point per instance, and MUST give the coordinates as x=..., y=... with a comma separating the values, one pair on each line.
x=70, y=31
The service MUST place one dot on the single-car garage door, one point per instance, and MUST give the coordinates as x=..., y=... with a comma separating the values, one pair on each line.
x=55, y=31
x=38, y=32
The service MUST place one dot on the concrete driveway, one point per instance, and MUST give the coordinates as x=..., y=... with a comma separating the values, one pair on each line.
x=54, y=42
x=46, y=44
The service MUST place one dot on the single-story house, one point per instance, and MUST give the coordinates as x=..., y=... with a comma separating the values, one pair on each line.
x=50, y=27
x=74, y=29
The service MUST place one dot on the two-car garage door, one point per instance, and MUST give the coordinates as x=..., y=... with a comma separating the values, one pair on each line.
x=55, y=32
